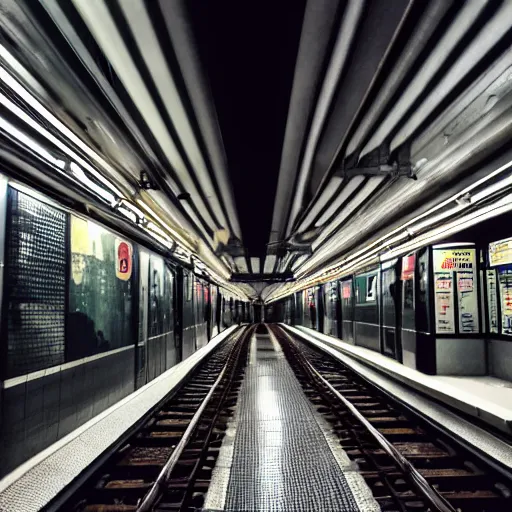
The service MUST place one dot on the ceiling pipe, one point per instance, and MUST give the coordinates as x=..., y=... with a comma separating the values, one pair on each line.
x=317, y=27
x=148, y=44
x=453, y=35
x=346, y=34
x=99, y=21
x=434, y=13
x=185, y=47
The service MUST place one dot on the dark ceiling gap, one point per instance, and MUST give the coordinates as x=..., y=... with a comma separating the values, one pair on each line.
x=249, y=55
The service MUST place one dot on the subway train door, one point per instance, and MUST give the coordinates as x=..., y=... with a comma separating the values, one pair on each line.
x=390, y=308
x=347, y=311
x=142, y=354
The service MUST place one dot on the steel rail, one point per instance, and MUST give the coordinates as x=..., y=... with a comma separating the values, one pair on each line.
x=160, y=483
x=419, y=482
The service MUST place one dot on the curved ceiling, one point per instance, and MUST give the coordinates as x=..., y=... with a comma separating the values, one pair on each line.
x=271, y=139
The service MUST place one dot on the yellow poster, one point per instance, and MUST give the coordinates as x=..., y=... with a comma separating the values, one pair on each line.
x=500, y=253
x=454, y=260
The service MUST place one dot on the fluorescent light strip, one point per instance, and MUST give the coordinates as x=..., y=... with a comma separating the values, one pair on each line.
x=30, y=143
x=133, y=208
x=89, y=184
x=498, y=208
x=128, y=214
x=241, y=263
x=270, y=262
x=147, y=42
x=36, y=126
x=496, y=187
x=173, y=232
x=255, y=265
x=97, y=17
x=62, y=128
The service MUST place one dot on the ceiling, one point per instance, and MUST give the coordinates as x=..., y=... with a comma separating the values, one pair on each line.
x=278, y=137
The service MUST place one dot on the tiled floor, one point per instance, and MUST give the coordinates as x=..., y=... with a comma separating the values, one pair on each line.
x=278, y=456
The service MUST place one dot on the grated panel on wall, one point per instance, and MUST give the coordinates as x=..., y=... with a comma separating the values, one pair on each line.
x=35, y=284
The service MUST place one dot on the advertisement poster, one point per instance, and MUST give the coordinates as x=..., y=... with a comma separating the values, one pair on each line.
x=456, y=267
x=500, y=252
x=505, y=280
x=124, y=263
x=468, y=302
x=445, y=317
x=408, y=267
x=492, y=301
x=346, y=289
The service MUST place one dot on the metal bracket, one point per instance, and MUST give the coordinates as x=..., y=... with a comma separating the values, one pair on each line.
x=273, y=278
x=145, y=182
x=379, y=163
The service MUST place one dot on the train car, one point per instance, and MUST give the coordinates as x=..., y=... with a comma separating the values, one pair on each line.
x=87, y=316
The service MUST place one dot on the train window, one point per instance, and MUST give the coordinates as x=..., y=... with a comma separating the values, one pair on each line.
x=35, y=284
x=371, y=288
x=388, y=297
x=366, y=307
x=187, y=283
x=160, y=297
x=100, y=298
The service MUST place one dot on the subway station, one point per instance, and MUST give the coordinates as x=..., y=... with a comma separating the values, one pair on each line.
x=256, y=256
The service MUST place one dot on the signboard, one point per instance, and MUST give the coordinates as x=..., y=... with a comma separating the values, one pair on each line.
x=468, y=302
x=500, y=252
x=454, y=260
x=408, y=267
x=492, y=300
x=505, y=281
x=455, y=272
x=445, y=317
x=124, y=260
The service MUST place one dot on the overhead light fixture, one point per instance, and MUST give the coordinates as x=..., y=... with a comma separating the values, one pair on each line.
x=43, y=111
x=90, y=185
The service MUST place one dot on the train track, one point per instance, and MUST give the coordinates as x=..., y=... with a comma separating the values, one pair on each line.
x=408, y=465
x=167, y=463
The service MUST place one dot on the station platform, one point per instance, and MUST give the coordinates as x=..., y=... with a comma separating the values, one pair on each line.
x=438, y=398
x=278, y=452
x=34, y=484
